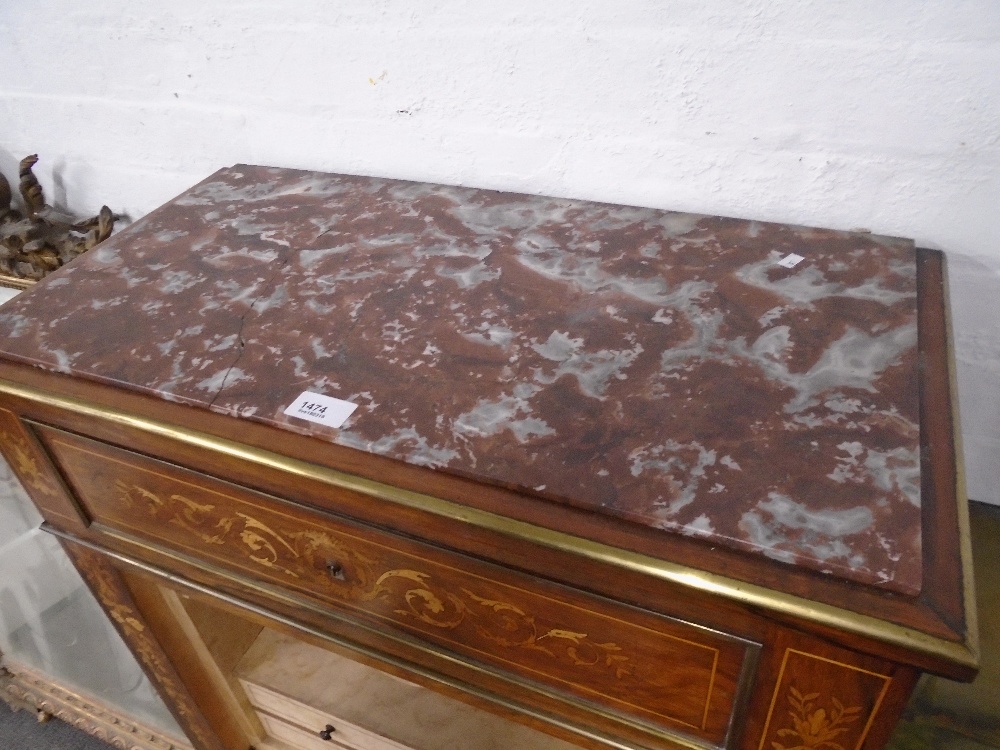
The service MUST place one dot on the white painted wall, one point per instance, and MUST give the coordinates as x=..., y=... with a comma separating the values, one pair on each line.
x=846, y=114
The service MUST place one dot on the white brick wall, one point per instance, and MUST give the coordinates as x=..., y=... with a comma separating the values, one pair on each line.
x=845, y=114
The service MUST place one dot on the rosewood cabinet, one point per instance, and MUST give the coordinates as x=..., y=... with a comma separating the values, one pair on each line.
x=631, y=478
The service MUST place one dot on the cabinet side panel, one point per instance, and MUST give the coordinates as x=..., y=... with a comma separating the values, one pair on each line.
x=833, y=699
x=40, y=479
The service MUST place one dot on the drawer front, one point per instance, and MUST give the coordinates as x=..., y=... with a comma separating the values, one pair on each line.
x=650, y=668
x=301, y=739
x=299, y=724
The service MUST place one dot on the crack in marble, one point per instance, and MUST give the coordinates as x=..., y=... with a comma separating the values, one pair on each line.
x=240, y=342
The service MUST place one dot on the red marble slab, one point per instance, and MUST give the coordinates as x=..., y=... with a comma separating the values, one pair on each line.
x=659, y=367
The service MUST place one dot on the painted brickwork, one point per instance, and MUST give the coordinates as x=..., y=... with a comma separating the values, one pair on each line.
x=839, y=114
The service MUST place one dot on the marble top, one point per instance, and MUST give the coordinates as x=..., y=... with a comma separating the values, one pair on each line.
x=664, y=368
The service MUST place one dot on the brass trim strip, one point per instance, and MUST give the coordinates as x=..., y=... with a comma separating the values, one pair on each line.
x=961, y=493
x=15, y=282
x=614, y=743
x=748, y=594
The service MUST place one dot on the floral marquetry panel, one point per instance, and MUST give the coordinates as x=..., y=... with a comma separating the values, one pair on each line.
x=650, y=667
x=821, y=702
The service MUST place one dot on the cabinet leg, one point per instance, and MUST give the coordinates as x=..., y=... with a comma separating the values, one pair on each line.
x=111, y=591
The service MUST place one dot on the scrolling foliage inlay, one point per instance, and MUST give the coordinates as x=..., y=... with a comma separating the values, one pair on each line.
x=414, y=594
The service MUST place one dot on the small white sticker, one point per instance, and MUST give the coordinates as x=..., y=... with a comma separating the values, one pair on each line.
x=791, y=260
x=319, y=408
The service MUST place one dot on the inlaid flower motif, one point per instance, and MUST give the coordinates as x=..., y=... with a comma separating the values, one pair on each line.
x=812, y=727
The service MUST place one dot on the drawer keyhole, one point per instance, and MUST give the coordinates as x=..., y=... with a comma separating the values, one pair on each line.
x=335, y=569
x=327, y=733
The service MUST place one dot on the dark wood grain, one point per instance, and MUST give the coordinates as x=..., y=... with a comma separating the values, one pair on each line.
x=879, y=688
x=827, y=697
x=942, y=555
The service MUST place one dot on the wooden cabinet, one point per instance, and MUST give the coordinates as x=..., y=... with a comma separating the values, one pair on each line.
x=574, y=605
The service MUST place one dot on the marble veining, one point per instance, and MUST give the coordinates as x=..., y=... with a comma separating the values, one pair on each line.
x=655, y=366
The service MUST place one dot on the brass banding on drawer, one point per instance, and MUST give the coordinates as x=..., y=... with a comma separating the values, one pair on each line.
x=648, y=667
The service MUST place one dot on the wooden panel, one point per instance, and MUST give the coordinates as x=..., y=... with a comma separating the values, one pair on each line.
x=660, y=671
x=217, y=641
x=821, y=701
x=300, y=724
x=32, y=468
x=943, y=498
x=218, y=695
x=461, y=679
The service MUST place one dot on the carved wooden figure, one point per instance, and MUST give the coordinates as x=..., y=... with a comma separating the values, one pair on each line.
x=34, y=245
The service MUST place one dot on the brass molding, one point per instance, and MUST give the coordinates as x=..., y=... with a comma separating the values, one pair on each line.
x=24, y=688
x=961, y=493
x=13, y=282
x=748, y=594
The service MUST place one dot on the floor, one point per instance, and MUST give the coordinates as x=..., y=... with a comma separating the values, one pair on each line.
x=20, y=730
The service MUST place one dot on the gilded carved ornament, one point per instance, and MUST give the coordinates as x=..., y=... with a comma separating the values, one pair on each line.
x=39, y=239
